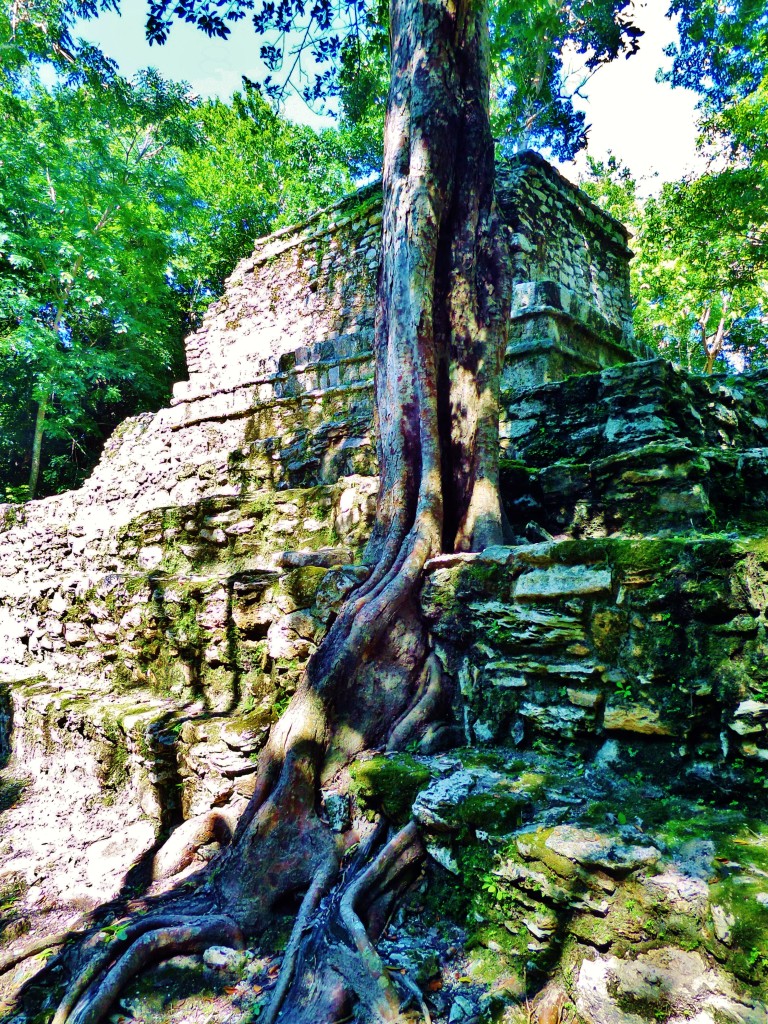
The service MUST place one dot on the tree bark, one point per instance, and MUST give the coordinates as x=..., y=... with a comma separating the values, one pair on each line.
x=37, y=447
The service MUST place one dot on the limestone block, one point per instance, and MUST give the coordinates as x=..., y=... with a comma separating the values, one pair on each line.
x=149, y=557
x=562, y=581
x=681, y=985
x=635, y=718
x=561, y=720
x=105, y=630
x=76, y=633
x=596, y=849
x=293, y=636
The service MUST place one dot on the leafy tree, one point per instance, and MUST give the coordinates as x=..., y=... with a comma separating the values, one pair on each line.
x=700, y=276
x=722, y=51
x=84, y=248
x=444, y=289
x=532, y=89
x=703, y=273
x=700, y=273
x=96, y=172
x=254, y=173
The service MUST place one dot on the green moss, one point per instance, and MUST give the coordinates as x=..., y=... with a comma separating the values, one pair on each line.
x=116, y=773
x=497, y=813
x=302, y=584
x=389, y=784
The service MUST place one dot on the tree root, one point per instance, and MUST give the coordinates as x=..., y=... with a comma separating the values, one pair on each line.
x=376, y=990
x=9, y=960
x=423, y=708
x=336, y=958
x=147, y=940
x=181, y=846
x=319, y=887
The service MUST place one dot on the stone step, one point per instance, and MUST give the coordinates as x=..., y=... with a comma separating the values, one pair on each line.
x=293, y=373
x=643, y=450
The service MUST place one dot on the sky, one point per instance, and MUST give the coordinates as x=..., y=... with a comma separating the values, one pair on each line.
x=648, y=125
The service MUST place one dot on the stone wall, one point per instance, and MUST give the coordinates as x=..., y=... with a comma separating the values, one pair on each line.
x=571, y=309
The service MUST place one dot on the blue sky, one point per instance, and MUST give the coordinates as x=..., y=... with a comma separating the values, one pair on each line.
x=648, y=125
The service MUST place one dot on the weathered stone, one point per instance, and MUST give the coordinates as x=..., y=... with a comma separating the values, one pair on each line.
x=76, y=633
x=562, y=581
x=635, y=718
x=679, y=984
x=593, y=849
x=723, y=921
x=293, y=636
x=223, y=958
x=337, y=808
x=106, y=630
x=474, y=797
x=248, y=733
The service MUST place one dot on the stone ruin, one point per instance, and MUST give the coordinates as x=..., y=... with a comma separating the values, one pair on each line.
x=155, y=622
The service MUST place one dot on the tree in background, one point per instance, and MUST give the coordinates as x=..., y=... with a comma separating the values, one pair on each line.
x=253, y=172
x=542, y=53
x=123, y=207
x=85, y=245
x=699, y=279
x=700, y=276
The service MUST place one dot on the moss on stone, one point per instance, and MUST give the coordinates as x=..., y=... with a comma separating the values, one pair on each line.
x=389, y=784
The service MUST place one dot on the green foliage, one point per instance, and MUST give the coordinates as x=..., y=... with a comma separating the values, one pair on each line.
x=700, y=273
x=533, y=89
x=255, y=172
x=86, y=317
x=722, y=52
x=124, y=205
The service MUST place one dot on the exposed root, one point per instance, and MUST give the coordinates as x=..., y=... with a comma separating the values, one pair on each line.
x=320, y=886
x=146, y=940
x=184, y=842
x=366, y=972
x=337, y=961
x=424, y=706
x=413, y=988
x=15, y=957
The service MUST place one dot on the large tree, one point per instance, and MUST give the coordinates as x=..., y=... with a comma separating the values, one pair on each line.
x=441, y=319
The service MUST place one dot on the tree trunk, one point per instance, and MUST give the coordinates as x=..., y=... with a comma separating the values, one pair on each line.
x=37, y=446
x=442, y=308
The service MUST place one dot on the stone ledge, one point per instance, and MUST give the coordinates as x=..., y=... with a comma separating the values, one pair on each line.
x=241, y=403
